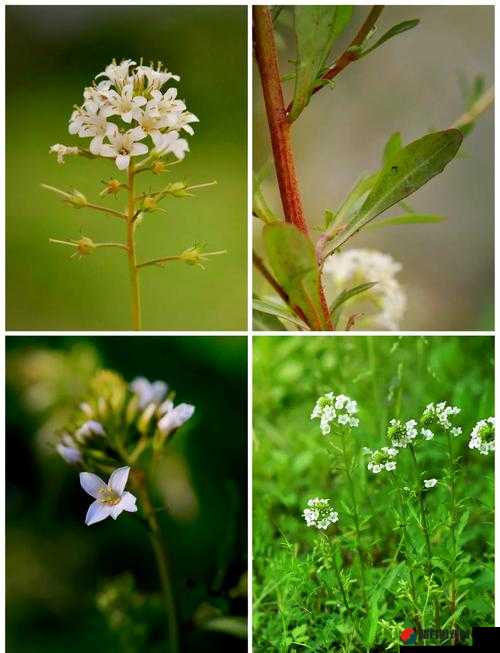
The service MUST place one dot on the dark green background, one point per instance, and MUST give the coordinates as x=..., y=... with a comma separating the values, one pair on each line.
x=56, y=564
x=53, y=52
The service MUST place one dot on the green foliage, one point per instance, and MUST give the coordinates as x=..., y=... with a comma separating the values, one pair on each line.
x=294, y=264
x=317, y=27
x=297, y=602
x=391, y=33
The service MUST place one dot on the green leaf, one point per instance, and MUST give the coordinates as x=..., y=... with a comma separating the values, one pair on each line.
x=394, y=31
x=406, y=172
x=351, y=292
x=293, y=261
x=355, y=198
x=277, y=310
x=413, y=218
x=392, y=147
x=316, y=28
x=265, y=322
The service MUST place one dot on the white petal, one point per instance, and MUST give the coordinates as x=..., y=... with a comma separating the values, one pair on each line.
x=96, y=144
x=137, y=134
x=127, y=117
x=118, y=479
x=139, y=100
x=116, y=510
x=175, y=418
x=138, y=148
x=122, y=161
x=97, y=512
x=128, y=502
x=107, y=150
x=91, y=483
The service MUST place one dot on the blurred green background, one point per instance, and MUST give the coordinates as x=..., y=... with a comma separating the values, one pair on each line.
x=56, y=566
x=290, y=465
x=411, y=84
x=52, y=54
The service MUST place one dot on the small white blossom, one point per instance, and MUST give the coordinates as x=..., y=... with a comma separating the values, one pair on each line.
x=124, y=104
x=335, y=408
x=68, y=450
x=384, y=304
x=110, y=499
x=148, y=392
x=63, y=150
x=438, y=415
x=431, y=482
x=88, y=430
x=482, y=436
x=401, y=435
x=171, y=143
x=124, y=145
x=320, y=514
x=427, y=434
x=382, y=459
x=173, y=417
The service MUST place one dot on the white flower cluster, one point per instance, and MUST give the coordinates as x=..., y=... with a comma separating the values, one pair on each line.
x=401, y=435
x=356, y=266
x=381, y=459
x=126, y=107
x=320, y=514
x=482, y=436
x=429, y=483
x=335, y=408
x=439, y=415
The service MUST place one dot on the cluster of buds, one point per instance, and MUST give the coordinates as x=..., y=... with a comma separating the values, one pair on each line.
x=402, y=434
x=117, y=422
x=338, y=410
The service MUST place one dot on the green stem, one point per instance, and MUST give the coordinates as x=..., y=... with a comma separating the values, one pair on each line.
x=425, y=529
x=453, y=516
x=132, y=262
x=163, y=568
x=356, y=521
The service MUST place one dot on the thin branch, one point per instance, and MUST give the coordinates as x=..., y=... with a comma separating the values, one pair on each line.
x=104, y=209
x=351, y=53
x=159, y=261
x=480, y=106
x=119, y=245
x=279, y=127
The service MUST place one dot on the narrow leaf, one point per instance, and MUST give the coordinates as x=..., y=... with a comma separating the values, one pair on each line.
x=392, y=147
x=413, y=218
x=411, y=168
x=394, y=31
x=277, y=310
x=293, y=261
x=316, y=28
x=265, y=322
x=351, y=292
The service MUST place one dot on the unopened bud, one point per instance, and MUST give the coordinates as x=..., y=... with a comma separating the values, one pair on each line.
x=85, y=246
x=158, y=167
x=112, y=187
x=77, y=199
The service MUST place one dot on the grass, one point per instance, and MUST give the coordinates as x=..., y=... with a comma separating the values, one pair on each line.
x=426, y=555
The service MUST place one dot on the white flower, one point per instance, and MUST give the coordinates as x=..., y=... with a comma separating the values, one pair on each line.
x=62, y=150
x=438, y=415
x=89, y=429
x=381, y=459
x=155, y=78
x=148, y=392
x=335, y=408
x=431, y=482
x=123, y=146
x=482, y=436
x=401, y=435
x=181, y=121
x=125, y=104
x=384, y=303
x=320, y=514
x=118, y=74
x=173, y=418
x=111, y=499
x=68, y=450
x=93, y=125
x=166, y=106
x=171, y=142
x=427, y=434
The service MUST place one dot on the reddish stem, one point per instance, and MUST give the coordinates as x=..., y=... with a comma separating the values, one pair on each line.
x=279, y=127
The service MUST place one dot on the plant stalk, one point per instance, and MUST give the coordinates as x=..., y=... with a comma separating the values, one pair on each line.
x=356, y=522
x=163, y=568
x=132, y=262
x=279, y=128
x=453, y=515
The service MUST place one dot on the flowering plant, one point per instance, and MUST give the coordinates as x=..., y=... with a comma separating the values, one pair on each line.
x=317, y=285
x=131, y=118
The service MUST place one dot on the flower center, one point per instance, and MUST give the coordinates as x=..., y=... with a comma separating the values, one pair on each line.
x=108, y=497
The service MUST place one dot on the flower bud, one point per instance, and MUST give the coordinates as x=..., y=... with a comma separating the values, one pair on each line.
x=112, y=187
x=77, y=199
x=158, y=167
x=85, y=246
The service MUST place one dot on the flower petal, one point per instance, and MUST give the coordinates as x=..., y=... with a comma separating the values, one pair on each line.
x=122, y=161
x=107, y=150
x=97, y=512
x=128, y=502
x=138, y=148
x=91, y=483
x=118, y=479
